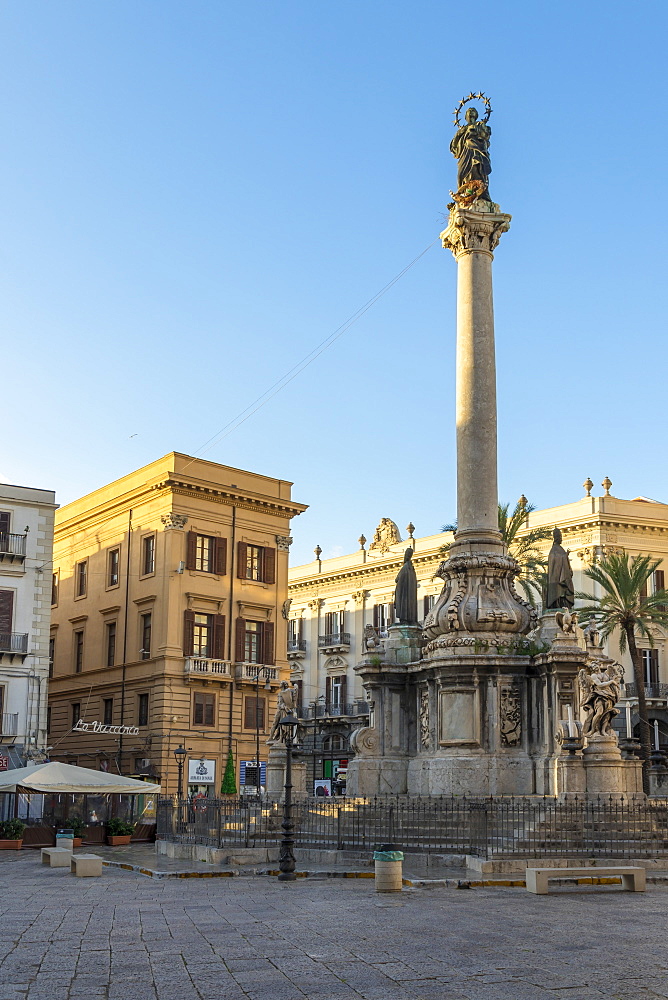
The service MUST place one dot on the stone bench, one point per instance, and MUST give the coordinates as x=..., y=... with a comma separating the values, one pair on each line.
x=537, y=879
x=56, y=857
x=85, y=865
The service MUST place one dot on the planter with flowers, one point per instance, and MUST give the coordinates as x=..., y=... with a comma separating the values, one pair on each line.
x=11, y=834
x=119, y=833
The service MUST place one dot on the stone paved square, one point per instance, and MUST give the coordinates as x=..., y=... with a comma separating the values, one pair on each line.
x=127, y=937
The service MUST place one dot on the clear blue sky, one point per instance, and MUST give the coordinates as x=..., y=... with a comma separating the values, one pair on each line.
x=195, y=194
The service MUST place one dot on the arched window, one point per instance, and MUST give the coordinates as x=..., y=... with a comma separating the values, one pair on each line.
x=331, y=743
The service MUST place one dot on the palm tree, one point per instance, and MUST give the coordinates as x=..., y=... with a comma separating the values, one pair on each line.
x=522, y=545
x=625, y=606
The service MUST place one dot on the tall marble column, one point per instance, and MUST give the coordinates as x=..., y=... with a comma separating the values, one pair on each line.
x=479, y=604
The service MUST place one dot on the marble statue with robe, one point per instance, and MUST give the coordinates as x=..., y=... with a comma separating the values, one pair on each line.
x=470, y=147
x=560, y=592
x=405, y=594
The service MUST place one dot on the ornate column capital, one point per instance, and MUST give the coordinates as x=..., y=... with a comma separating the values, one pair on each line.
x=283, y=542
x=359, y=596
x=315, y=605
x=474, y=231
x=173, y=520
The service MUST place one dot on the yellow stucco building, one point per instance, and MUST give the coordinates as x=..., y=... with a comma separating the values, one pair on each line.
x=168, y=601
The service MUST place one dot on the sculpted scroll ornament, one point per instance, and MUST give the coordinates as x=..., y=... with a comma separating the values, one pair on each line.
x=425, y=733
x=365, y=741
x=386, y=534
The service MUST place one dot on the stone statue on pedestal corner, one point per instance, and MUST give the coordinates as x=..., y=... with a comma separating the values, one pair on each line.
x=288, y=696
x=600, y=683
x=405, y=594
x=560, y=592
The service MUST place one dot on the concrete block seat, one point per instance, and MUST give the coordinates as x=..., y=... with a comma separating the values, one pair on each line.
x=86, y=865
x=56, y=857
x=633, y=879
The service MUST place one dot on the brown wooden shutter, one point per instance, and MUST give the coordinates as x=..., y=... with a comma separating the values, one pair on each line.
x=209, y=709
x=260, y=713
x=218, y=637
x=6, y=610
x=375, y=616
x=240, y=640
x=391, y=614
x=300, y=697
x=241, y=560
x=191, y=550
x=425, y=607
x=249, y=713
x=269, y=565
x=328, y=690
x=188, y=632
x=220, y=556
x=344, y=690
x=268, y=643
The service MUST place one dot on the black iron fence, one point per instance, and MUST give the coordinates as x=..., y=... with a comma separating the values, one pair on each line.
x=500, y=827
x=13, y=642
x=13, y=545
x=651, y=690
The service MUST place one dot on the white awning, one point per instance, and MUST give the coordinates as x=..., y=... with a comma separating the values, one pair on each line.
x=58, y=777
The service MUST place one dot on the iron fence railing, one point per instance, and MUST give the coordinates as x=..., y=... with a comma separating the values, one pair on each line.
x=651, y=690
x=296, y=645
x=500, y=827
x=13, y=642
x=330, y=710
x=11, y=544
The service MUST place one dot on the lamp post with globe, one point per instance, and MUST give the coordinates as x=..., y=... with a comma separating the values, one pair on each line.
x=286, y=864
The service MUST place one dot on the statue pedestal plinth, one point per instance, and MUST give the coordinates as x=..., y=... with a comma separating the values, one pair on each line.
x=606, y=772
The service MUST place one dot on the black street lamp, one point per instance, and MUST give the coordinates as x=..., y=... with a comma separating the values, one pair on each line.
x=180, y=756
x=288, y=724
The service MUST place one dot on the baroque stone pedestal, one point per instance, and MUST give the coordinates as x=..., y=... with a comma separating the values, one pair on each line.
x=606, y=773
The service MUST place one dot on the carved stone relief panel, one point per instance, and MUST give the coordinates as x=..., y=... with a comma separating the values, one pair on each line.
x=423, y=710
x=510, y=715
x=458, y=717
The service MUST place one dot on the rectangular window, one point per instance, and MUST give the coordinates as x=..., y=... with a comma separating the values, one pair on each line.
x=336, y=691
x=78, y=651
x=202, y=630
x=204, y=709
x=256, y=562
x=659, y=580
x=76, y=713
x=334, y=622
x=254, y=713
x=253, y=643
x=54, y=589
x=6, y=616
x=52, y=653
x=295, y=627
x=108, y=715
x=81, y=576
x=383, y=617
x=148, y=555
x=111, y=644
x=204, y=548
x=145, y=651
x=142, y=710
x=113, y=568
x=650, y=660
x=5, y=522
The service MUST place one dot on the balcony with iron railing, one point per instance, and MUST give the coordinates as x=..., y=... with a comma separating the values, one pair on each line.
x=332, y=710
x=10, y=723
x=201, y=666
x=296, y=649
x=13, y=644
x=12, y=547
x=256, y=673
x=653, y=691
x=337, y=642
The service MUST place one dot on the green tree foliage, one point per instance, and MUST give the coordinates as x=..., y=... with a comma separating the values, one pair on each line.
x=229, y=784
x=623, y=605
x=522, y=545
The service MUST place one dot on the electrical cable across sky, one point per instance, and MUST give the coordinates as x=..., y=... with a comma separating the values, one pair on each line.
x=307, y=360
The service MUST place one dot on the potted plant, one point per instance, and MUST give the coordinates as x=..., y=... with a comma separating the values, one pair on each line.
x=119, y=833
x=77, y=826
x=11, y=834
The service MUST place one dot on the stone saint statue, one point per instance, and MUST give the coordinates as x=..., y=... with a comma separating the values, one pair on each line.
x=405, y=594
x=560, y=593
x=288, y=697
x=470, y=146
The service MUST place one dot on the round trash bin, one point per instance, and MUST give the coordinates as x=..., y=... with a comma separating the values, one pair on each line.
x=389, y=866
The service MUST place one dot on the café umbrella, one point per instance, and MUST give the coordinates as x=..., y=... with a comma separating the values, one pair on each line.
x=55, y=777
